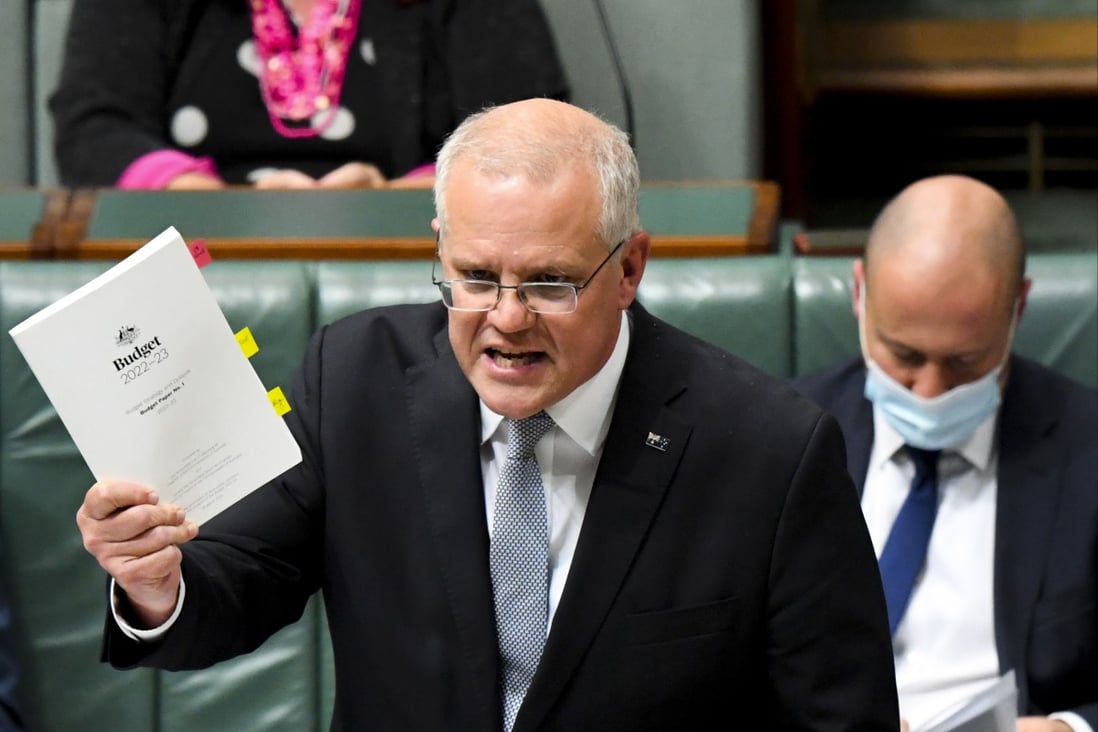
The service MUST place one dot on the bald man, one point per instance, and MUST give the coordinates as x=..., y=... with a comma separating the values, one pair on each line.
x=1008, y=578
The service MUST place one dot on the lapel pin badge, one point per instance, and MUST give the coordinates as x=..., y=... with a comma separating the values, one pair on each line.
x=657, y=441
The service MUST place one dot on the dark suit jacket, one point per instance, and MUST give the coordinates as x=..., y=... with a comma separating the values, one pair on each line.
x=1046, y=627
x=728, y=577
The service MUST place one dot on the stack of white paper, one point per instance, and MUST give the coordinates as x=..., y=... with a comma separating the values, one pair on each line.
x=149, y=380
x=993, y=710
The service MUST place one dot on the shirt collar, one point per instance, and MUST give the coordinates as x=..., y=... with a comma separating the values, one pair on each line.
x=583, y=415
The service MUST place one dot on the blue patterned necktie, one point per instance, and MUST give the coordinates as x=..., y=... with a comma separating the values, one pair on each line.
x=905, y=551
x=519, y=558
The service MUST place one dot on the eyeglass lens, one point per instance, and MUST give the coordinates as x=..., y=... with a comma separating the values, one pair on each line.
x=538, y=297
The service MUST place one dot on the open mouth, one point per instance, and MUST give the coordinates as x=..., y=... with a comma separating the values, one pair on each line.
x=510, y=359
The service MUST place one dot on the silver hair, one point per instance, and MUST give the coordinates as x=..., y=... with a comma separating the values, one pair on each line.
x=540, y=151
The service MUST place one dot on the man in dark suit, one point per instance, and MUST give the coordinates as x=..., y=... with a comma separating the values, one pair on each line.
x=672, y=543
x=1008, y=580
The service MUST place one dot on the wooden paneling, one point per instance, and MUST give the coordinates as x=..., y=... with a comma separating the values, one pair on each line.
x=970, y=58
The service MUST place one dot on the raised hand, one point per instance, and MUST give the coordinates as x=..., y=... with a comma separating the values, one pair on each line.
x=136, y=540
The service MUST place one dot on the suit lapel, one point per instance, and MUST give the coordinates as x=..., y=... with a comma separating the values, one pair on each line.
x=629, y=486
x=443, y=410
x=1025, y=513
x=854, y=414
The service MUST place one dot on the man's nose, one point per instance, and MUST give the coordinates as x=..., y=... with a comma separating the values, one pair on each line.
x=930, y=380
x=510, y=314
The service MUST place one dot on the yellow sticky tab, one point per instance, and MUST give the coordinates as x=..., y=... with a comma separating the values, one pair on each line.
x=278, y=400
x=247, y=342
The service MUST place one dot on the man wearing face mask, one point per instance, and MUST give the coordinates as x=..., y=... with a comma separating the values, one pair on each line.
x=977, y=468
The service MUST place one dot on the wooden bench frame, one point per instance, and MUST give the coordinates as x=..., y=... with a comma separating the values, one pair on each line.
x=63, y=233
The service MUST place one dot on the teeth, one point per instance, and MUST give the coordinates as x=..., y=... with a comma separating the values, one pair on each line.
x=508, y=360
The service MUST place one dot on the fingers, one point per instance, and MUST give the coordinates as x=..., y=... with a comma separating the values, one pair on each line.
x=195, y=181
x=412, y=181
x=133, y=536
x=286, y=179
x=349, y=175
x=140, y=576
x=104, y=499
x=354, y=175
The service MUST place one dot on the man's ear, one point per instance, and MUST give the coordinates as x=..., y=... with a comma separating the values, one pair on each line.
x=1023, y=295
x=634, y=258
x=857, y=294
x=435, y=226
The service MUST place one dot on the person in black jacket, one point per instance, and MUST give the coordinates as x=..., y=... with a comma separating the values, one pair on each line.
x=286, y=93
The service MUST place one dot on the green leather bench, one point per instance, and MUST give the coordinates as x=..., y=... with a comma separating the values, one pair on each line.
x=1059, y=327
x=787, y=315
x=742, y=303
x=58, y=590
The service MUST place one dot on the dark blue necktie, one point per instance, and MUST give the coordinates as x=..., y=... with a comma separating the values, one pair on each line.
x=905, y=551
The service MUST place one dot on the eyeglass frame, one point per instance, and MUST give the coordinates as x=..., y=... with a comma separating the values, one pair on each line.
x=517, y=288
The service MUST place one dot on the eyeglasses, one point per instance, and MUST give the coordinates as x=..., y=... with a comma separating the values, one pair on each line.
x=476, y=296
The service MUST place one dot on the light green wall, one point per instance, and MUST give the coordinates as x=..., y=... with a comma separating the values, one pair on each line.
x=51, y=20
x=14, y=119
x=693, y=67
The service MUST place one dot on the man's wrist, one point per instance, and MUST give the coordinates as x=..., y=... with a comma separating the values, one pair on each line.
x=122, y=612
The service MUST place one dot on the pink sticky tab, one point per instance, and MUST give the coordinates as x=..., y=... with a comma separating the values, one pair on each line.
x=200, y=253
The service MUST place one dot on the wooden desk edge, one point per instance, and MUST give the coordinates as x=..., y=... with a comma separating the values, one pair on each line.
x=803, y=246
x=18, y=250
x=989, y=83
x=398, y=247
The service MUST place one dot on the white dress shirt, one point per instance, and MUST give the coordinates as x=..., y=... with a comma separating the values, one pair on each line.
x=568, y=457
x=945, y=644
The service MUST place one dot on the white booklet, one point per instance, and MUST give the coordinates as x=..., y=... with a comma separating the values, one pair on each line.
x=992, y=710
x=150, y=382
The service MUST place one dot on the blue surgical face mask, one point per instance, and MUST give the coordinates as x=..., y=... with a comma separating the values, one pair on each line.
x=939, y=422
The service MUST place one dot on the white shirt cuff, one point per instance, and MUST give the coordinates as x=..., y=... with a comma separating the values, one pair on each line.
x=1073, y=720
x=155, y=634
